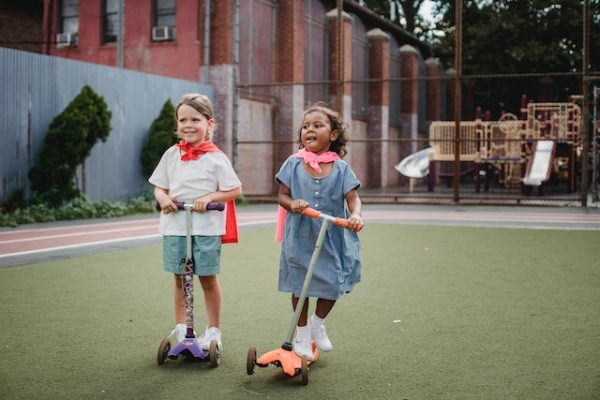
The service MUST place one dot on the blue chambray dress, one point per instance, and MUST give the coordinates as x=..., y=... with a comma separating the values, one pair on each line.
x=339, y=265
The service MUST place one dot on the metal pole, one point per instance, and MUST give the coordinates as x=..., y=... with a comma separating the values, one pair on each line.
x=457, y=97
x=585, y=111
x=595, y=138
x=206, y=49
x=340, y=88
x=121, y=34
x=235, y=78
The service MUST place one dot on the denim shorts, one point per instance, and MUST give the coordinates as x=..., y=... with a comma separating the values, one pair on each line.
x=206, y=252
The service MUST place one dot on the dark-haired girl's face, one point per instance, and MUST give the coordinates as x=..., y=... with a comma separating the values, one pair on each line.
x=316, y=134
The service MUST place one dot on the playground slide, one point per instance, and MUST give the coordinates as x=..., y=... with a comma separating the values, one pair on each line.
x=540, y=163
x=416, y=165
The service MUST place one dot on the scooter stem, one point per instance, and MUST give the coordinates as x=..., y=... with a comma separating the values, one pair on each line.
x=287, y=345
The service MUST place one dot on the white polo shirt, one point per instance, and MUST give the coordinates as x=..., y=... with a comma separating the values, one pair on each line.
x=189, y=180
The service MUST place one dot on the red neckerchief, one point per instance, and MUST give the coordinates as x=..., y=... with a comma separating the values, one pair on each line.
x=190, y=153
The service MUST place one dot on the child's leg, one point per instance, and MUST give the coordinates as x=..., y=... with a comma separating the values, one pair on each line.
x=302, y=345
x=212, y=299
x=324, y=306
x=179, y=300
x=303, y=319
x=317, y=327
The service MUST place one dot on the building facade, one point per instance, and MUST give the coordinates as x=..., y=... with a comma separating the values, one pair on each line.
x=267, y=60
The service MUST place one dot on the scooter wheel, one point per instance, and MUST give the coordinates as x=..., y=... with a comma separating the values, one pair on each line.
x=304, y=370
x=163, y=351
x=214, y=353
x=251, y=360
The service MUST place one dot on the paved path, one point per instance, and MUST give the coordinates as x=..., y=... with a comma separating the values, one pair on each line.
x=41, y=242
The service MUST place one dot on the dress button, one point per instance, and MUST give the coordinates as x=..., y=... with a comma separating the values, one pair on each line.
x=317, y=181
x=316, y=204
x=317, y=192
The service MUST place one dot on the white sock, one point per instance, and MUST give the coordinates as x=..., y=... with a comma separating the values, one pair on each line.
x=302, y=333
x=316, y=322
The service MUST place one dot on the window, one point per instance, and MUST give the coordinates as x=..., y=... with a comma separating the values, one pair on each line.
x=257, y=44
x=395, y=84
x=315, y=55
x=69, y=16
x=111, y=21
x=360, y=70
x=165, y=12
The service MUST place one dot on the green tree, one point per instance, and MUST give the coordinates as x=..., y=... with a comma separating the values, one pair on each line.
x=519, y=37
x=71, y=136
x=402, y=12
x=161, y=136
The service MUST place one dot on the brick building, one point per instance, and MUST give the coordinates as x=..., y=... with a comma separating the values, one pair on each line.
x=267, y=60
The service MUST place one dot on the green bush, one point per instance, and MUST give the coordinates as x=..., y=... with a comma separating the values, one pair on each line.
x=71, y=136
x=78, y=208
x=15, y=201
x=161, y=136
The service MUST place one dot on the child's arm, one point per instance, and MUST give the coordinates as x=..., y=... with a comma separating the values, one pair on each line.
x=355, y=207
x=285, y=200
x=220, y=196
x=166, y=202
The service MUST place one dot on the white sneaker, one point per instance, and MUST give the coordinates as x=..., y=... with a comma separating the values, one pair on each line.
x=303, y=348
x=178, y=334
x=208, y=336
x=320, y=337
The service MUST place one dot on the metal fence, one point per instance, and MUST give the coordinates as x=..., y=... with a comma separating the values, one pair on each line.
x=525, y=151
x=36, y=88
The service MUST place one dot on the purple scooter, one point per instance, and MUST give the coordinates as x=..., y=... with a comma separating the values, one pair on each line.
x=189, y=347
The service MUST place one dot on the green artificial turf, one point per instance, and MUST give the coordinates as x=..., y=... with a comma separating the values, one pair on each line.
x=441, y=313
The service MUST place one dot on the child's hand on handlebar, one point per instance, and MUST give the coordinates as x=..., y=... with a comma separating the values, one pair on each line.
x=167, y=205
x=201, y=203
x=355, y=223
x=298, y=205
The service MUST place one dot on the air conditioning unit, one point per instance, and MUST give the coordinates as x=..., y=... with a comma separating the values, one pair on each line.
x=162, y=33
x=66, y=39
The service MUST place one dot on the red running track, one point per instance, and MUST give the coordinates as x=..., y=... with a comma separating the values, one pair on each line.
x=39, y=239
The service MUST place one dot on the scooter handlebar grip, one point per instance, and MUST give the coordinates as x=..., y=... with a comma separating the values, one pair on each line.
x=212, y=206
x=343, y=223
x=311, y=212
x=215, y=206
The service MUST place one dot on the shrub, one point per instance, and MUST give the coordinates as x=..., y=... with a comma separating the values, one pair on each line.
x=161, y=136
x=15, y=201
x=71, y=136
x=78, y=208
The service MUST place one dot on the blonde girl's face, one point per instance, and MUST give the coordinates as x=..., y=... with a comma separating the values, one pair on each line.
x=192, y=126
x=316, y=134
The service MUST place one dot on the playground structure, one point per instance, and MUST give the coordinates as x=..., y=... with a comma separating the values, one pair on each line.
x=544, y=141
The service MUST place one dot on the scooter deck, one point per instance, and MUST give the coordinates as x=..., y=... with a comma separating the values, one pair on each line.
x=290, y=362
x=190, y=345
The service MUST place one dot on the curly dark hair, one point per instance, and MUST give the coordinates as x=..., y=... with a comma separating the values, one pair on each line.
x=335, y=121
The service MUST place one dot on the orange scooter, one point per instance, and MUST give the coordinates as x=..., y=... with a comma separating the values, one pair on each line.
x=284, y=357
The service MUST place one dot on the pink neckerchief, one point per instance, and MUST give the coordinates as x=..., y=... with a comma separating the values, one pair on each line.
x=313, y=159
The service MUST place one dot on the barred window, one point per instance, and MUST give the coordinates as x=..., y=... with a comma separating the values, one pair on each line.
x=111, y=21
x=315, y=54
x=69, y=16
x=165, y=13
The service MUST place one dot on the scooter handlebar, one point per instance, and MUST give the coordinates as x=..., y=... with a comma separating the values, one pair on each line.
x=341, y=222
x=212, y=206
